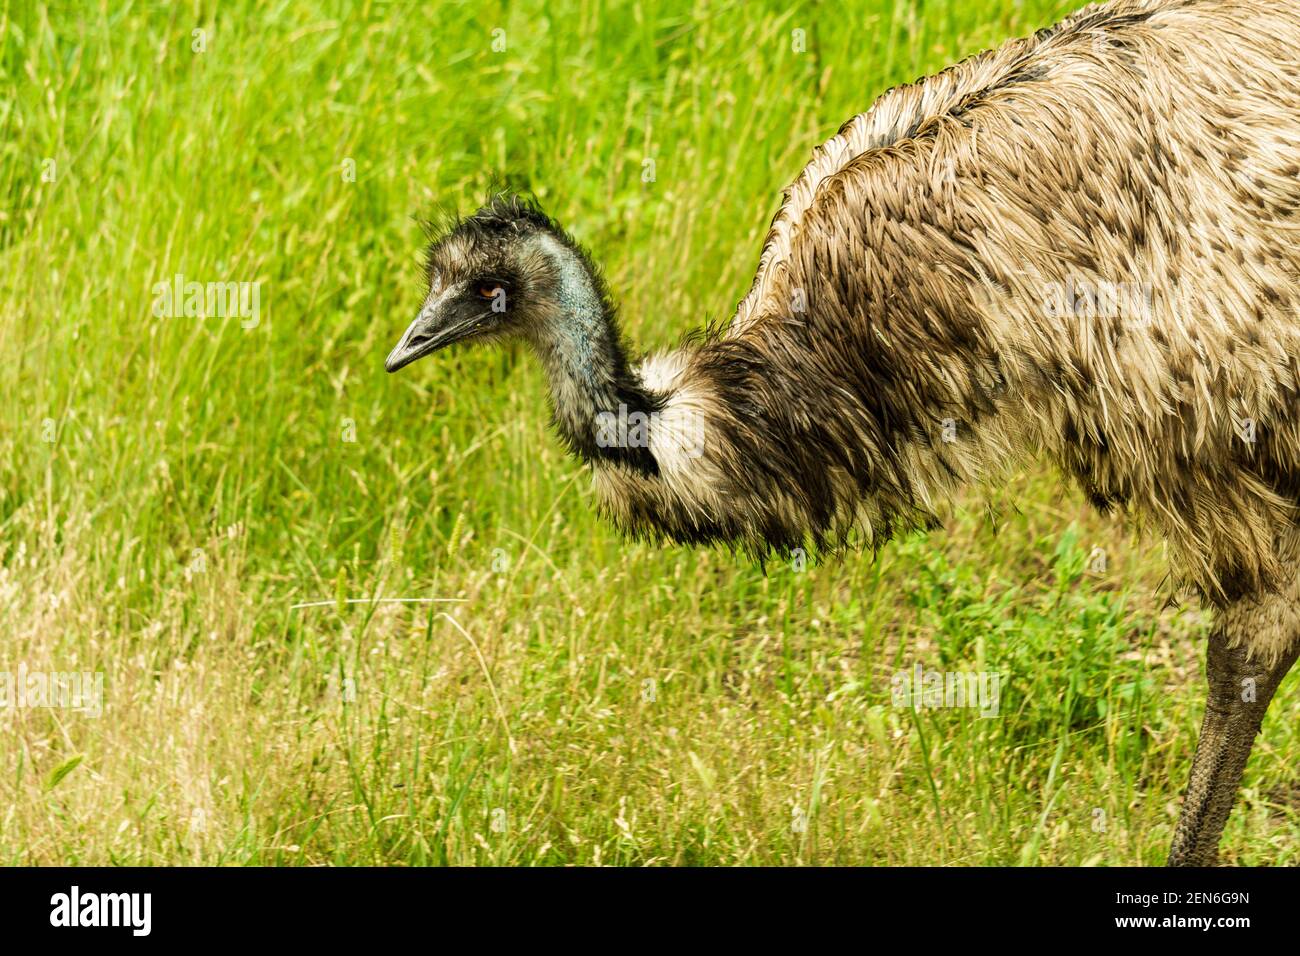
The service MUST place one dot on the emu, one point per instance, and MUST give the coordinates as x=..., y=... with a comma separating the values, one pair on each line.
x=923, y=314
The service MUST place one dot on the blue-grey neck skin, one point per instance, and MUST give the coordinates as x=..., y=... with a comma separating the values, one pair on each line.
x=582, y=339
x=579, y=347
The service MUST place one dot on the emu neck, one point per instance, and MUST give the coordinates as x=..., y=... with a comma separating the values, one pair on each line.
x=592, y=384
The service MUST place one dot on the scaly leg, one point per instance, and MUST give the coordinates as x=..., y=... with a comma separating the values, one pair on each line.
x=1239, y=694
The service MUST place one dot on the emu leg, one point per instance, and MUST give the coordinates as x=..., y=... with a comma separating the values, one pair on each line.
x=1239, y=694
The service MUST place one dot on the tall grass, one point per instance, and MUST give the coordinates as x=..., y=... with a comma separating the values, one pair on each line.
x=170, y=487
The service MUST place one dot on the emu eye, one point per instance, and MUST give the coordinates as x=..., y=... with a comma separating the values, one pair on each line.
x=489, y=290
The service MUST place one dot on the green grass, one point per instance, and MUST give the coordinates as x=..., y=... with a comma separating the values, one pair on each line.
x=592, y=700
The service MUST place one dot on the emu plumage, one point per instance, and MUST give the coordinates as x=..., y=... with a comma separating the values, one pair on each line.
x=917, y=322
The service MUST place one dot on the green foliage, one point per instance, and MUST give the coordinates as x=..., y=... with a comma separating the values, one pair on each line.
x=171, y=486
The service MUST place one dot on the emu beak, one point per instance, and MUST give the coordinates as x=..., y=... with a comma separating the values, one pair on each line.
x=430, y=331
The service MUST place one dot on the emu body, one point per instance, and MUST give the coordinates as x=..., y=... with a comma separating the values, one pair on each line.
x=1082, y=245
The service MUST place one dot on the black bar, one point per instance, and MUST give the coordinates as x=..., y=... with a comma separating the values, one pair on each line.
x=565, y=907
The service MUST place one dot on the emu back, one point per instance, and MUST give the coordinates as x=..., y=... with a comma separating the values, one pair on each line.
x=1084, y=244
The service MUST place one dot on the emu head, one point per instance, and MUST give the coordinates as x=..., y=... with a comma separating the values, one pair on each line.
x=508, y=271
